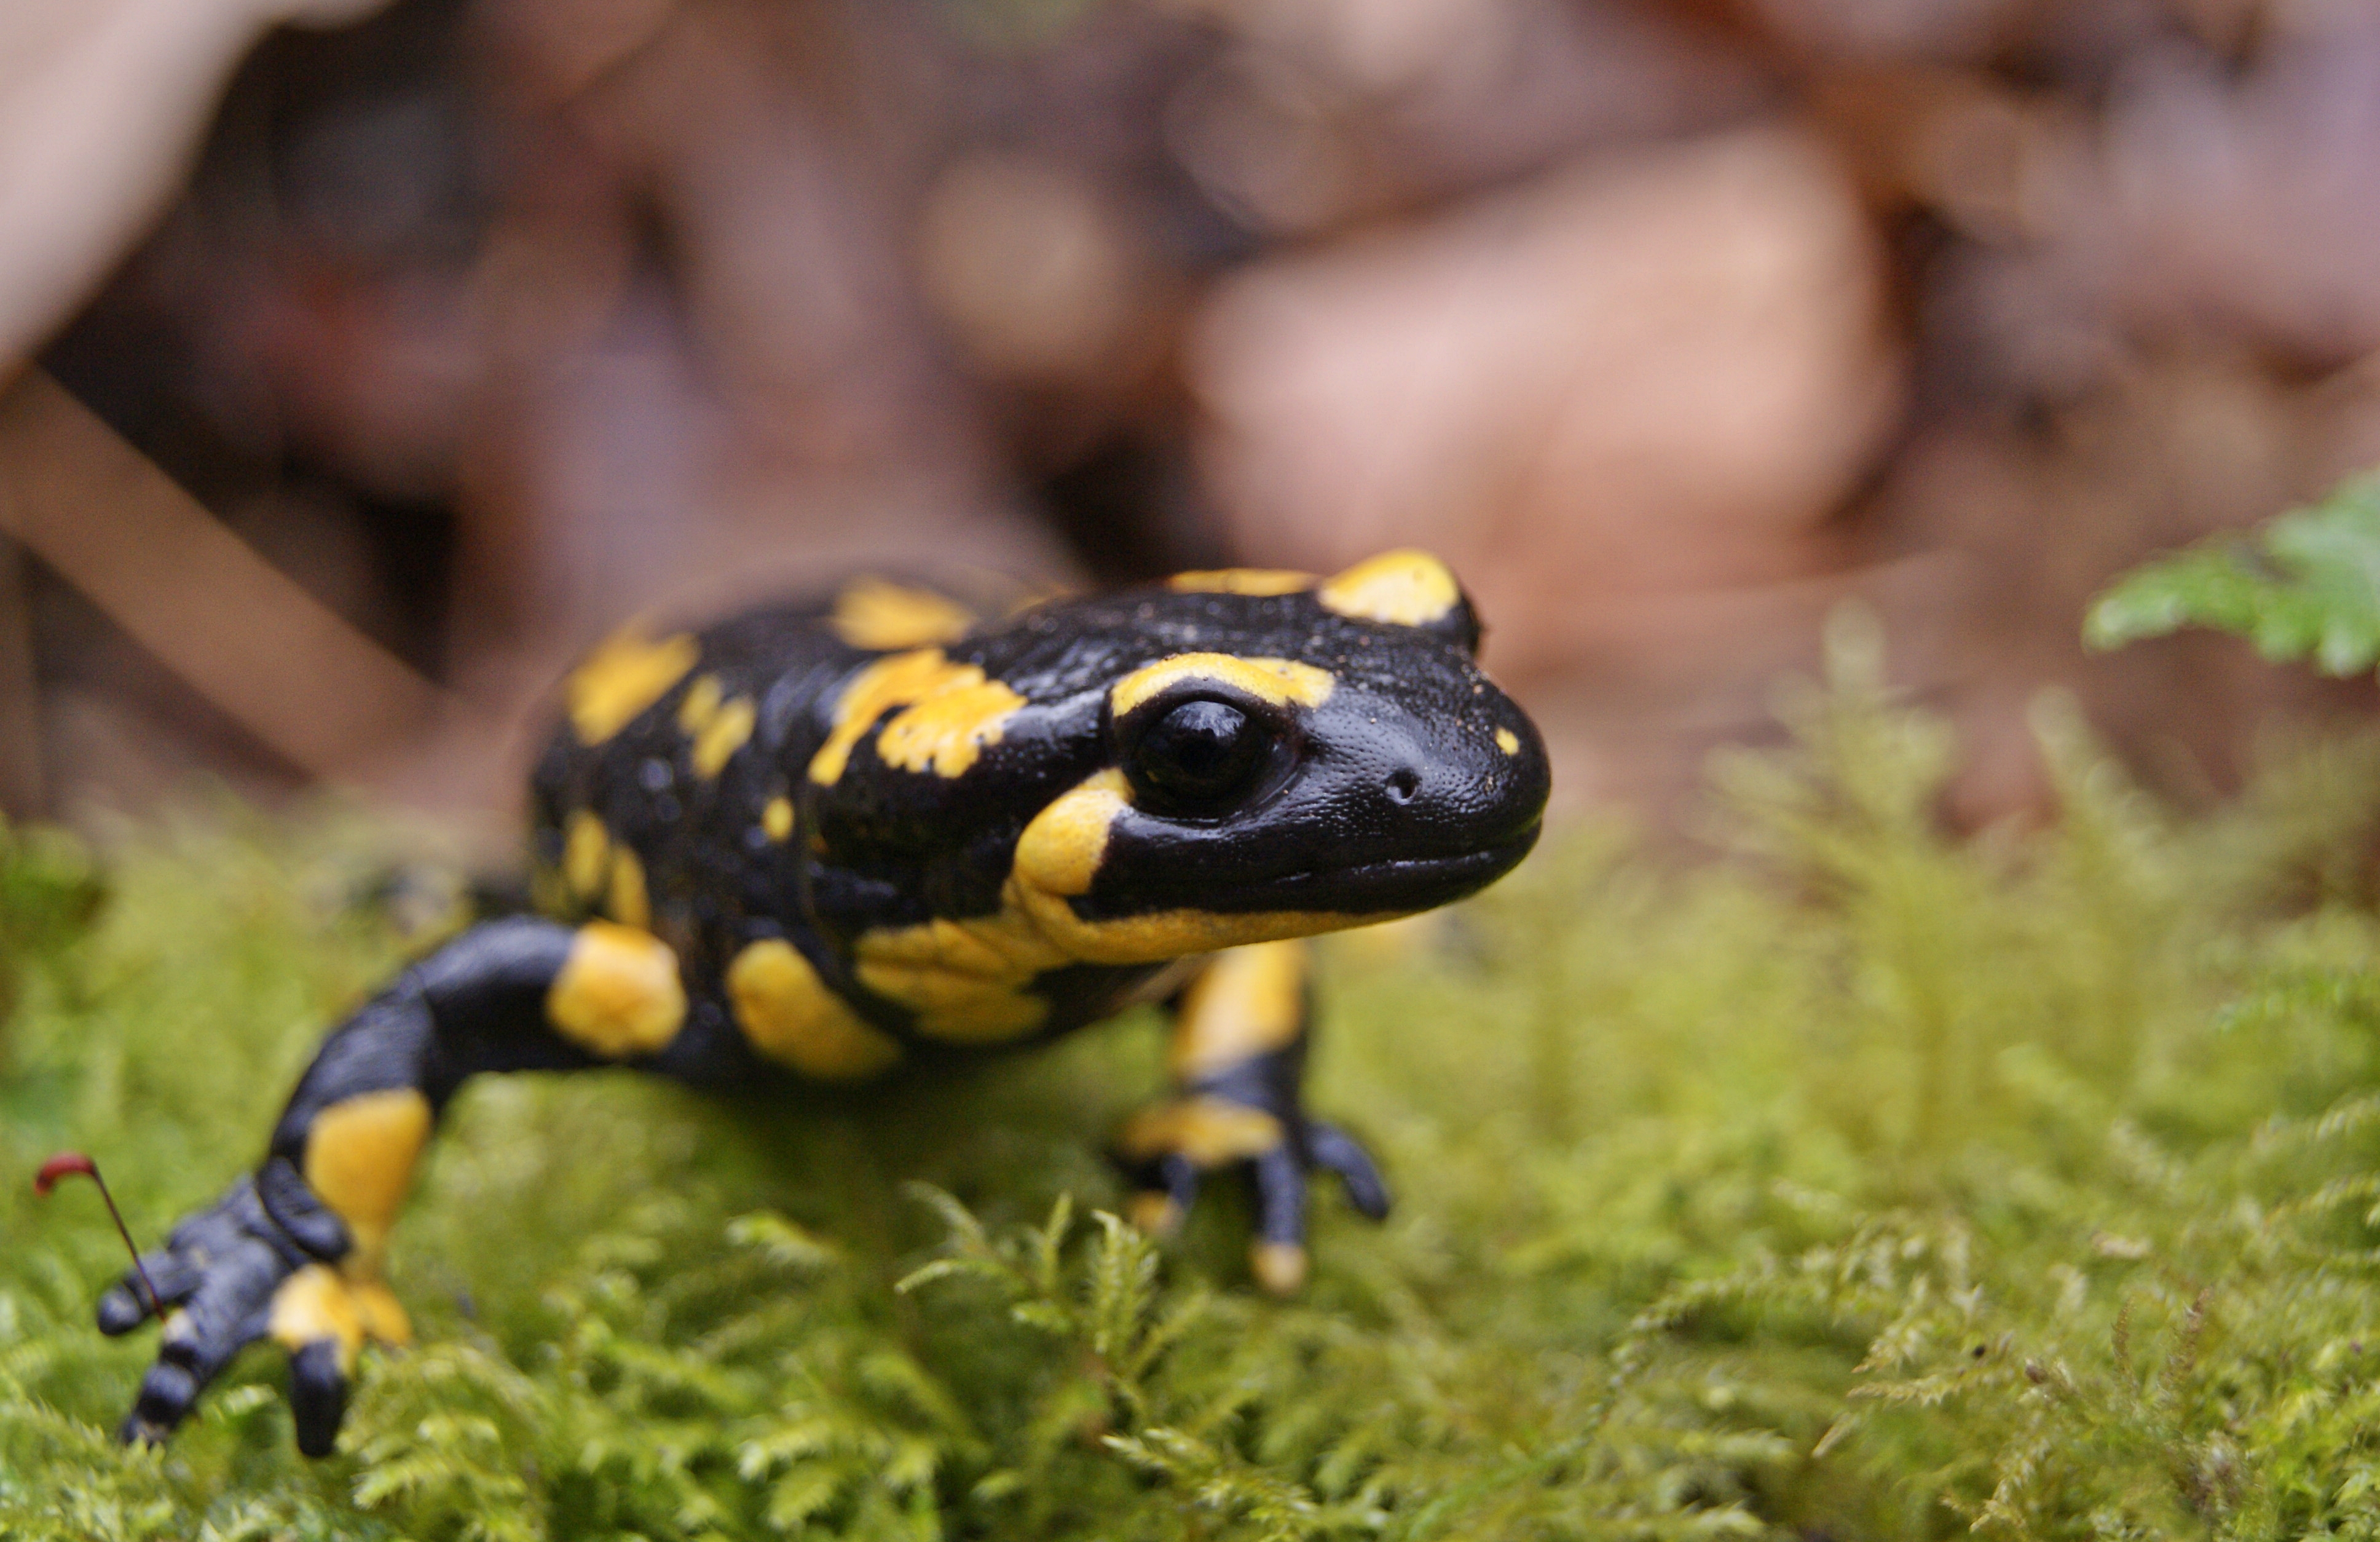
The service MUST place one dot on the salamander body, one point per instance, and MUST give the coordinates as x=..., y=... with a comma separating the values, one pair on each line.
x=842, y=839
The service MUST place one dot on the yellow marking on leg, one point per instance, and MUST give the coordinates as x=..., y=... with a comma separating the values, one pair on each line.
x=358, y=1161
x=777, y=819
x=700, y=705
x=896, y=680
x=618, y=993
x=318, y=1302
x=1279, y=1267
x=1242, y=580
x=873, y=614
x=314, y=1305
x=1250, y=1002
x=793, y=1017
x=1403, y=587
x=1154, y=1212
x=1210, y=1131
x=725, y=732
x=586, y=848
x=948, y=728
x=1281, y=681
x=1507, y=741
x=624, y=895
x=619, y=679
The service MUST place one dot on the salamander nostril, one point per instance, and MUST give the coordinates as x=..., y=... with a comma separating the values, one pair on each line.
x=1402, y=784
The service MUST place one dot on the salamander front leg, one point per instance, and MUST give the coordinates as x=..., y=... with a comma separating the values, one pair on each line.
x=1237, y=1060
x=293, y=1252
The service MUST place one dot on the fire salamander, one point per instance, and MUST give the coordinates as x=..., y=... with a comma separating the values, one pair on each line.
x=833, y=839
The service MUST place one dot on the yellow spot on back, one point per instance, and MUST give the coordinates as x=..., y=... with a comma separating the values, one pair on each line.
x=701, y=702
x=1242, y=580
x=1282, y=681
x=1249, y=1002
x=625, y=901
x=894, y=681
x=793, y=1017
x=721, y=736
x=1403, y=587
x=949, y=728
x=1507, y=741
x=777, y=819
x=359, y=1157
x=947, y=736
x=618, y=993
x=622, y=677
x=873, y=614
x=1059, y=851
x=585, y=844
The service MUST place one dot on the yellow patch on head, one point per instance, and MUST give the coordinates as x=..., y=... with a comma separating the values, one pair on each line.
x=619, y=679
x=1249, y=1002
x=1059, y=851
x=725, y=732
x=1281, y=681
x=1507, y=741
x=358, y=1161
x=969, y=981
x=793, y=1017
x=873, y=614
x=585, y=853
x=625, y=899
x=894, y=681
x=948, y=728
x=1166, y=934
x=1404, y=588
x=1060, y=854
x=1242, y=580
x=1210, y=1131
x=618, y=993
x=777, y=819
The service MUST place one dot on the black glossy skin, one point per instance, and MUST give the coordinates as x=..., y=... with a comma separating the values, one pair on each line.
x=1392, y=795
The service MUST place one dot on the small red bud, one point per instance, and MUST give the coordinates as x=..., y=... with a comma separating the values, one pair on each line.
x=65, y=1164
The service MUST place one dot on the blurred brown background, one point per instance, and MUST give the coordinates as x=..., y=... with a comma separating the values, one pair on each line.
x=1672, y=324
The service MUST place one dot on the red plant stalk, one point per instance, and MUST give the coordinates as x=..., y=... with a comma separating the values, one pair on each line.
x=65, y=1164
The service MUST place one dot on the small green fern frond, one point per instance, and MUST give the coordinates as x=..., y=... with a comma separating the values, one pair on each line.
x=2306, y=585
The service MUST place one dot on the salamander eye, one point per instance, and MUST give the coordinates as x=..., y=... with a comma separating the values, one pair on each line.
x=1200, y=754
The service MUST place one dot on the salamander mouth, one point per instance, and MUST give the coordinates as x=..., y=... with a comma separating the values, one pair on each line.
x=1399, y=886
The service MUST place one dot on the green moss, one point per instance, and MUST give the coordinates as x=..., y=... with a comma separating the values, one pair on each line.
x=1868, y=1185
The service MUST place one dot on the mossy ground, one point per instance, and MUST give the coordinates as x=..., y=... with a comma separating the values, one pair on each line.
x=1865, y=1184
